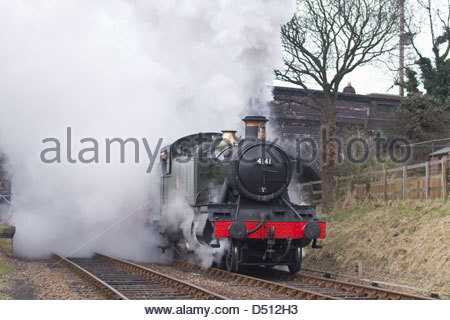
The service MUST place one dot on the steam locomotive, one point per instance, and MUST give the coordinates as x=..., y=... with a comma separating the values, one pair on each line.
x=237, y=190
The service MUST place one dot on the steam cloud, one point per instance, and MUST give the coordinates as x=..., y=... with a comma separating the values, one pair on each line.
x=119, y=69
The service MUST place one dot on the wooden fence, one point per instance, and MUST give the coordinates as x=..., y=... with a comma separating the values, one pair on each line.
x=428, y=180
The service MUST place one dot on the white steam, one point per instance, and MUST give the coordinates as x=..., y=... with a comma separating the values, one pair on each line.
x=179, y=217
x=142, y=69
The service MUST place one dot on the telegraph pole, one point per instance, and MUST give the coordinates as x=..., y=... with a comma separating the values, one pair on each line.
x=401, y=71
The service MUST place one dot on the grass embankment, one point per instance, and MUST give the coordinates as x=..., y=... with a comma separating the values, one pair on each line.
x=5, y=243
x=5, y=282
x=5, y=270
x=411, y=236
x=3, y=226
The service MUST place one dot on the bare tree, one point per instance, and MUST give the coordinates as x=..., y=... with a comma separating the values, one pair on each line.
x=435, y=71
x=323, y=42
x=438, y=20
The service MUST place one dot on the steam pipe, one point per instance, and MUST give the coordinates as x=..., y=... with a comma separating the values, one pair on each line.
x=258, y=227
x=288, y=247
x=223, y=193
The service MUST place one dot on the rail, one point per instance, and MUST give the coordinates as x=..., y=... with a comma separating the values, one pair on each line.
x=289, y=291
x=336, y=289
x=121, y=279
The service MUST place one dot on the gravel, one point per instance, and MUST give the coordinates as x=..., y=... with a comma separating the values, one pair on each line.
x=42, y=279
x=225, y=287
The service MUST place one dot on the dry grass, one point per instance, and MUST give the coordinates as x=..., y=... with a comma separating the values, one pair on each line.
x=3, y=226
x=411, y=236
x=5, y=244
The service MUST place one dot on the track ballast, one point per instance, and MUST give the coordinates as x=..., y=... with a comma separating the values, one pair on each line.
x=120, y=279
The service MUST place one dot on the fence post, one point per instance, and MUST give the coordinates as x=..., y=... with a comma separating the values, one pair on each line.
x=385, y=184
x=368, y=195
x=360, y=269
x=405, y=184
x=444, y=181
x=427, y=180
x=336, y=197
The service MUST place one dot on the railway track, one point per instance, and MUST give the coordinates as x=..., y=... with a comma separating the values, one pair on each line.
x=311, y=286
x=289, y=291
x=345, y=289
x=120, y=279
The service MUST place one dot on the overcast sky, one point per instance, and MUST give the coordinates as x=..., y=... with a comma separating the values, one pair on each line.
x=365, y=80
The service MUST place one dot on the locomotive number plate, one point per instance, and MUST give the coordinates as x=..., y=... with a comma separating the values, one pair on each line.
x=264, y=161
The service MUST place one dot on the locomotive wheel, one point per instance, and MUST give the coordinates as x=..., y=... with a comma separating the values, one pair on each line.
x=232, y=257
x=294, y=268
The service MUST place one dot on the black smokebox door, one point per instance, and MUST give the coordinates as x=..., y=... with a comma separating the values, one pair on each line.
x=262, y=172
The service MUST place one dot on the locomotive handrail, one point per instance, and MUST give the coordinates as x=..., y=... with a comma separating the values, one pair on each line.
x=292, y=208
x=237, y=208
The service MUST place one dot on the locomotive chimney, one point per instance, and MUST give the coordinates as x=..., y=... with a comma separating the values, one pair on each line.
x=255, y=127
